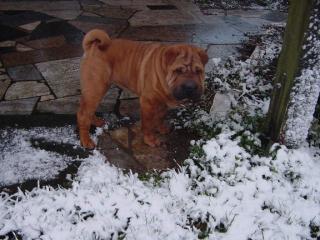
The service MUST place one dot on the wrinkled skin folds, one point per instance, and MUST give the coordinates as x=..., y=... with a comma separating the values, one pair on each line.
x=161, y=75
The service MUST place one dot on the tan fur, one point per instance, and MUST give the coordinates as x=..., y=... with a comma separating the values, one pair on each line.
x=152, y=71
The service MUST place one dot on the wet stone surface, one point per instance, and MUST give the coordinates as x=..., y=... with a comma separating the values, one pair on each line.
x=160, y=17
x=64, y=14
x=49, y=34
x=193, y=33
x=4, y=84
x=56, y=28
x=130, y=108
x=65, y=105
x=63, y=76
x=39, y=5
x=24, y=19
x=50, y=42
x=112, y=26
x=124, y=148
x=22, y=48
x=40, y=50
x=42, y=55
x=24, y=73
x=10, y=33
x=30, y=26
x=18, y=107
x=221, y=51
x=109, y=101
x=26, y=89
x=110, y=11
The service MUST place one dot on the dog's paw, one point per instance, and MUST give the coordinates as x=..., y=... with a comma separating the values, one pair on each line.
x=98, y=122
x=164, y=129
x=151, y=140
x=88, y=143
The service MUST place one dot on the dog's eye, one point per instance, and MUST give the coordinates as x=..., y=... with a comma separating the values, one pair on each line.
x=179, y=70
x=198, y=71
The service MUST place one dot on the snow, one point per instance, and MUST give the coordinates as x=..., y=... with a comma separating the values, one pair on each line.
x=104, y=202
x=20, y=161
x=225, y=191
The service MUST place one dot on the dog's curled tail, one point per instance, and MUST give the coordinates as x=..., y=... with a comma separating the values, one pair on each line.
x=99, y=37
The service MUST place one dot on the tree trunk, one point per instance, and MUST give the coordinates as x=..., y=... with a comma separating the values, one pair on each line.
x=288, y=66
x=305, y=92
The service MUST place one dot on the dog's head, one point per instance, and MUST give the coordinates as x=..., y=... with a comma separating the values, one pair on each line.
x=185, y=71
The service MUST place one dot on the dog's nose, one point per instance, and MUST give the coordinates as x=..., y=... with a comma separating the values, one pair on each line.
x=189, y=87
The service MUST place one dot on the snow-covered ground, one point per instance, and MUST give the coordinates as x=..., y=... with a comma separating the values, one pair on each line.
x=20, y=161
x=247, y=4
x=229, y=188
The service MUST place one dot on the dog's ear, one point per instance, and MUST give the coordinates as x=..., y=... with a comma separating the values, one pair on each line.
x=203, y=56
x=170, y=55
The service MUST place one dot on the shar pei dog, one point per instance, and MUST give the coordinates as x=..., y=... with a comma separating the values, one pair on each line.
x=163, y=76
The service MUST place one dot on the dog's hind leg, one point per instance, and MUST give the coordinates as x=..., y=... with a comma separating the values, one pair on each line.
x=94, y=86
x=150, y=120
x=98, y=122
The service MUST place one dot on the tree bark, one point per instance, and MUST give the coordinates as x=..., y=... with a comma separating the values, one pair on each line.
x=305, y=92
x=288, y=66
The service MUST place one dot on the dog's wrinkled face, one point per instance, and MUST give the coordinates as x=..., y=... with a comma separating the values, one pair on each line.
x=185, y=71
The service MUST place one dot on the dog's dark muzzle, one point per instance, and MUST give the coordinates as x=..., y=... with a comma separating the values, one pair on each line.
x=188, y=90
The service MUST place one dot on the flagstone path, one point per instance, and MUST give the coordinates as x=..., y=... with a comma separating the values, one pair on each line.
x=40, y=52
x=40, y=43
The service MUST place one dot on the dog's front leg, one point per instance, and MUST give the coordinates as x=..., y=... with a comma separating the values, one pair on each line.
x=163, y=127
x=150, y=121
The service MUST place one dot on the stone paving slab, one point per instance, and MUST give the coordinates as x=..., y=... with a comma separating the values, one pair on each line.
x=7, y=44
x=63, y=76
x=91, y=3
x=22, y=18
x=218, y=33
x=136, y=4
x=109, y=100
x=159, y=17
x=275, y=16
x=51, y=42
x=26, y=89
x=130, y=108
x=23, y=58
x=18, y=107
x=3, y=76
x=118, y=156
x=4, y=84
x=65, y=105
x=65, y=14
x=113, y=29
x=126, y=94
x=110, y=11
x=48, y=34
x=70, y=104
x=221, y=51
x=30, y=26
x=47, y=97
x=22, y=48
x=24, y=73
x=248, y=13
x=57, y=28
x=124, y=148
x=98, y=19
x=246, y=25
x=11, y=33
x=39, y=5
